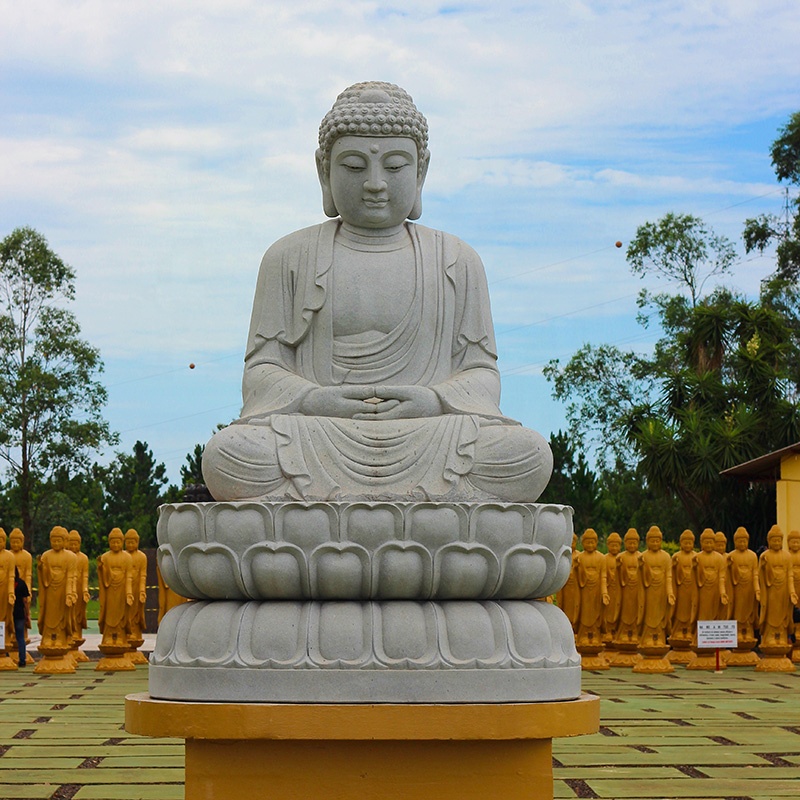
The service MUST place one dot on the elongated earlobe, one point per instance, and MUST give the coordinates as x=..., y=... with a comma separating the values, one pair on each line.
x=328, y=206
x=416, y=209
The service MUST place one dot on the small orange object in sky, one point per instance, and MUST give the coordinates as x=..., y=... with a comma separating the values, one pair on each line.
x=191, y=366
x=619, y=244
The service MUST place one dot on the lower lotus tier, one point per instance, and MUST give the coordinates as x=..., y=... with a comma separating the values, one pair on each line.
x=340, y=651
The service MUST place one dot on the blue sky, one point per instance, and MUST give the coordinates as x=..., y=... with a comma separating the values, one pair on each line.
x=161, y=147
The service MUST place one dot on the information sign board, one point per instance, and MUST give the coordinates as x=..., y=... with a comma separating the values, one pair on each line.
x=715, y=633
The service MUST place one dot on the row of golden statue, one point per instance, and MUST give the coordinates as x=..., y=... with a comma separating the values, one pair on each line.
x=640, y=609
x=63, y=585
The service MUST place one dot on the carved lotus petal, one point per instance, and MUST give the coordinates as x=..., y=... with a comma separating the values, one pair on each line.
x=212, y=636
x=402, y=571
x=274, y=634
x=466, y=571
x=408, y=634
x=276, y=571
x=238, y=525
x=559, y=576
x=181, y=524
x=524, y=572
x=502, y=526
x=474, y=634
x=307, y=525
x=211, y=570
x=530, y=638
x=340, y=571
x=340, y=634
x=553, y=527
x=169, y=570
x=372, y=524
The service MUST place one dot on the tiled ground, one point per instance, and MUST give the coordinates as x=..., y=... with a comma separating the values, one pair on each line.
x=692, y=735
x=729, y=736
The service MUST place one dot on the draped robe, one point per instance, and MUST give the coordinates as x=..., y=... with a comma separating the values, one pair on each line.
x=444, y=341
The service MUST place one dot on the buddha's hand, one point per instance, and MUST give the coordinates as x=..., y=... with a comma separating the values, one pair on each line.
x=403, y=402
x=339, y=401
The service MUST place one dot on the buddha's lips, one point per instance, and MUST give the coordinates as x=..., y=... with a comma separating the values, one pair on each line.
x=375, y=203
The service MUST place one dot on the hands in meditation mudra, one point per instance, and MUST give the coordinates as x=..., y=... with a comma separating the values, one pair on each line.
x=370, y=369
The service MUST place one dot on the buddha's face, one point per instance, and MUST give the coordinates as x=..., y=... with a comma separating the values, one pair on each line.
x=707, y=543
x=614, y=546
x=687, y=542
x=794, y=543
x=654, y=541
x=589, y=543
x=741, y=541
x=115, y=543
x=74, y=544
x=631, y=543
x=131, y=544
x=374, y=181
x=775, y=541
x=16, y=543
x=57, y=542
x=720, y=544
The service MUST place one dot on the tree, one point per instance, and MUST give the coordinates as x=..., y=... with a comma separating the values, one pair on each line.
x=132, y=485
x=573, y=483
x=718, y=389
x=762, y=231
x=50, y=398
x=682, y=249
x=192, y=470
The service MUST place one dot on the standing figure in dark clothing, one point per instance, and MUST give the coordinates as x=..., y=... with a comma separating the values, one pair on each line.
x=22, y=613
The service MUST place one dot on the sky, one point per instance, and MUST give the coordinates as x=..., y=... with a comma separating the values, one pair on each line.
x=161, y=147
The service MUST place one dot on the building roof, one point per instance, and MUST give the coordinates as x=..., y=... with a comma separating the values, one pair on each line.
x=764, y=468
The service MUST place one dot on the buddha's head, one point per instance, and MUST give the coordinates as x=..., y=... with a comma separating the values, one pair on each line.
x=373, y=156
x=58, y=538
x=115, y=540
x=654, y=538
x=17, y=540
x=687, y=541
x=74, y=541
x=775, y=538
x=707, y=541
x=632, y=540
x=614, y=543
x=720, y=542
x=793, y=541
x=589, y=540
x=131, y=540
x=741, y=538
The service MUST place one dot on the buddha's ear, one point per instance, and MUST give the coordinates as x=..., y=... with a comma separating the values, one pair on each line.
x=422, y=171
x=328, y=206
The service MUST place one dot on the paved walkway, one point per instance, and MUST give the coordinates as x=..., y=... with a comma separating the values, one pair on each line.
x=734, y=736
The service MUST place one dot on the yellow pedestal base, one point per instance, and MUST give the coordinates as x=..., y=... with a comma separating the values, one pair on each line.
x=353, y=752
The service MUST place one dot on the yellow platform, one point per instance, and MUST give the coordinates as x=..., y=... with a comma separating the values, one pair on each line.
x=365, y=752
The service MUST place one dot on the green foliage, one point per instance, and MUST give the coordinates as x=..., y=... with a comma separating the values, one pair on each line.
x=132, y=485
x=192, y=470
x=50, y=398
x=767, y=229
x=681, y=248
x=720, y=388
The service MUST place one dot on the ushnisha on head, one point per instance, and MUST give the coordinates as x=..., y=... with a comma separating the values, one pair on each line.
x=385, y=116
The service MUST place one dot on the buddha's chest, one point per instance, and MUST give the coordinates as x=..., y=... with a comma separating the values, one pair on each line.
x=372, y=292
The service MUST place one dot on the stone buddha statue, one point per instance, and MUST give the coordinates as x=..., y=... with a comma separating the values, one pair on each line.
x=370, y=369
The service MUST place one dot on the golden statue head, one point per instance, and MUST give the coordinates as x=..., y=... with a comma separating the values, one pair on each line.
x=741, y=538
x=16, y=539
x=632, y=540
x=614, y=543
x=58, y=537
x=131, y=540
x=74, y=541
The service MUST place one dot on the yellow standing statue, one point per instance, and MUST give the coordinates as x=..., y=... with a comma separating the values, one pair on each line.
x=611, y=613
x=710, y=571
x=793, y=543
x=590, y=570
x=684, y=612
x=23, y=561
x=656, y=610
x=136, y=619
x=115, y=575
x=746, y=594
x=626, y=638
x=778, y=595
x=82, y=596
x=568, y=596
x=57, y=595
x=7, y=598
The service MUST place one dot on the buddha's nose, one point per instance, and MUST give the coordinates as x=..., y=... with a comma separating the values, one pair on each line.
x=374, y=181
